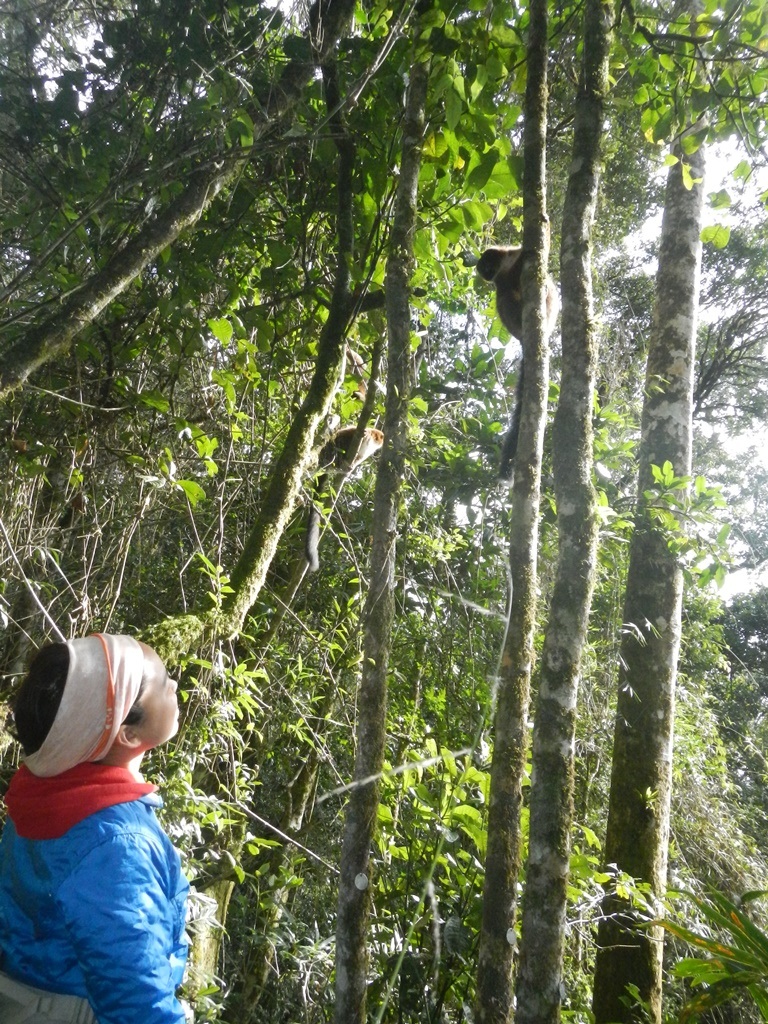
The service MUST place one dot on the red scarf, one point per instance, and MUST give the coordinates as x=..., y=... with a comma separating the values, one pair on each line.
x=47, y=808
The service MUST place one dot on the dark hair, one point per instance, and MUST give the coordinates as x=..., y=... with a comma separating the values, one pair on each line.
x=39, y=697
x=136, y=712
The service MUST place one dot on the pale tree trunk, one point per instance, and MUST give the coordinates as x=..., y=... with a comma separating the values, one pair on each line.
x=502, y=864
x=355, y=880
x=539, y=989
x=638, y=816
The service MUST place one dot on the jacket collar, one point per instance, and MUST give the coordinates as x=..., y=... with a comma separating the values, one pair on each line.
x=46, y=808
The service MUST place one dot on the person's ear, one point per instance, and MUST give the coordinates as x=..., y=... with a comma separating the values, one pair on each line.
x=127, y=738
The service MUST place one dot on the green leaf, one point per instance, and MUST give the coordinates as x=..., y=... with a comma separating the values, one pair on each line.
x=720, y=200
x=154, y=400
x=688, y=179
x=662, y=128
x=221, y=329
x=723, y=534
x=193, y=490
x=244, y=124
x=454, y=108
x=717, y=234
x=466, y=814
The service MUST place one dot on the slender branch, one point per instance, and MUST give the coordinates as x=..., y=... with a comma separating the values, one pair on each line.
x=27, y=583
x=328, y=20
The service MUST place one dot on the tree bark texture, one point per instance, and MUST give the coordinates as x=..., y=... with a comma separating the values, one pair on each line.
x=355, y=880
x=502, y=864
x=327, y=22
x=539, y=988
x=286, y=479
x=638, y=814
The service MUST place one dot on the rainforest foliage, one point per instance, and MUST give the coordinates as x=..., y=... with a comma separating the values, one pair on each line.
x=228, y=229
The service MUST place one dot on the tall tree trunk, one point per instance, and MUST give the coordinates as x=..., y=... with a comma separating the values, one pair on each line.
x=284, y=487
x=502, y=863
x=638, y=814
x=286, y=478
x=355, y=880
x=539, y=990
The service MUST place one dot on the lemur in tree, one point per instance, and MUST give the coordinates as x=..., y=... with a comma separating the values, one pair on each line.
x=503, y=265
x=333, y=462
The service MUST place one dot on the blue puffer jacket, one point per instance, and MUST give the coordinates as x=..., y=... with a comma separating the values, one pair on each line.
x=98, y=913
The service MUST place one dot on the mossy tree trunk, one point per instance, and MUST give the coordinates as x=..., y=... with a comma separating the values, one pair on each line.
x=282, y=492
x=502, y=864
x=539, y=989
x=378, y=616
x=638, y=816
x=290, y=467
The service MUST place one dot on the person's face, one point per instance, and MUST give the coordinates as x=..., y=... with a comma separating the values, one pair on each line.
x=159, y=703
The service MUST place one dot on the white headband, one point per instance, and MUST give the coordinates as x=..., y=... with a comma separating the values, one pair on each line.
x=102, y=685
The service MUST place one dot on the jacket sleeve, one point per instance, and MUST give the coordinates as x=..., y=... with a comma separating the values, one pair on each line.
x=122, y=909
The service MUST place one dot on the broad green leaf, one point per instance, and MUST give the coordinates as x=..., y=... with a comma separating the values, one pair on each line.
x=154, y=400
x=221, y=329
x=193, y=490
x=717, y=235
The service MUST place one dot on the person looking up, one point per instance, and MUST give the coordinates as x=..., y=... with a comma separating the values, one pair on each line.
x=92, y=895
